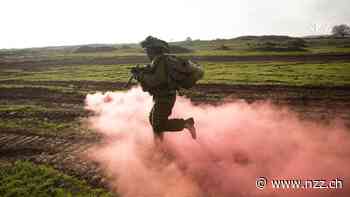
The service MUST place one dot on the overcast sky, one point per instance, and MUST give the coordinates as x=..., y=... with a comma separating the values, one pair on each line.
x=68, y=22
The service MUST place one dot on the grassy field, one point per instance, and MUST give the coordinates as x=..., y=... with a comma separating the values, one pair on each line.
x=293, y=74
x=27, y=179
x=40, y=118
x=49, y=98
x=242, y=46
x=246, y=52
x=281, y=73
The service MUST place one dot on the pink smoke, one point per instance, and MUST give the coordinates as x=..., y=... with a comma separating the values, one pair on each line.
x=237, y=143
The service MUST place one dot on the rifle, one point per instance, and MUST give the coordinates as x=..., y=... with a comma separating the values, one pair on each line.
x=129, y=81
x=133, y=73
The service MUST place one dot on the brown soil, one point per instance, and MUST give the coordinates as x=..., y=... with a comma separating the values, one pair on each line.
x=62, y=153
x=321, y=103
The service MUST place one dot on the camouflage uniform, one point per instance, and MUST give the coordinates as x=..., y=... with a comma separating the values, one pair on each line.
x=154, y=79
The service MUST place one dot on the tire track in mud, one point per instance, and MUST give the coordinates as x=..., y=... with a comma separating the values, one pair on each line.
x=62, y=153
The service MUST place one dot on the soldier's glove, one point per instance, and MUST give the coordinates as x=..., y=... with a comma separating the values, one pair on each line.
x=136, y=73
x=135, y=70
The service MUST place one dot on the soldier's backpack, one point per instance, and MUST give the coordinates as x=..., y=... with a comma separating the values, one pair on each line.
x=183, y=73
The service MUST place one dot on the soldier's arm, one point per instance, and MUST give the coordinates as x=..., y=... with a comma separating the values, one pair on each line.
x=148, y=68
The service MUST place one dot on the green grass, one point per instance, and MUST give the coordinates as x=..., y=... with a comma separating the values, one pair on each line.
x=39, y=126
x=61, y=89
x=241, y=52
x=65, y=89
x=295, y=74
x=71, y=73
x=282, y=73
x=245, y=53
x=27, y=108
x=39, y=119
x=26, y=179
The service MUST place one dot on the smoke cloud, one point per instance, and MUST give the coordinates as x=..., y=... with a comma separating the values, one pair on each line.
x=237, y=143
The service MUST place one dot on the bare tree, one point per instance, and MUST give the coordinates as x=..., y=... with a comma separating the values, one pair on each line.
x=341, y=30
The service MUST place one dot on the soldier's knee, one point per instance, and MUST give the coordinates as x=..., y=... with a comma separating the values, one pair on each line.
x=158, y=126
x=157, y=129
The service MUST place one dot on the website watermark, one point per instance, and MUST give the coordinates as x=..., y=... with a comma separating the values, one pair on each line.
x=263, y=182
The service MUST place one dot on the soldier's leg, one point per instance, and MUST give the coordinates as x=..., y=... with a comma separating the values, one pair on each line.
x=156, y=134
x=179, y=124
x=161, y=111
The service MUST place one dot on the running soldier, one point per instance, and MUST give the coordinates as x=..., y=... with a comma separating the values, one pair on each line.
x=154, y=79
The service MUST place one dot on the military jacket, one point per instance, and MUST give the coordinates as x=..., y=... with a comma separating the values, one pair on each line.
x=154, y=78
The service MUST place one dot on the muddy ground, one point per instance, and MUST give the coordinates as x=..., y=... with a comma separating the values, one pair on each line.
x=325, y=103
x=318, y=103
x=321, y=103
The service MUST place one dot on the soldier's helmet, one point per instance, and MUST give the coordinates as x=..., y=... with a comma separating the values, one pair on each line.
x=153, y=42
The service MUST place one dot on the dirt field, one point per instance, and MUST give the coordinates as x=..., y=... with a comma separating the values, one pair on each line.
x=310, y=102
x=60, y=151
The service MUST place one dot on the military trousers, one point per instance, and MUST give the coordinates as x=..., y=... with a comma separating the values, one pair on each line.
x=159, y=116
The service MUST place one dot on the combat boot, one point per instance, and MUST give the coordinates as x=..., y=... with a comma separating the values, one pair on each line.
x=189, y=124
